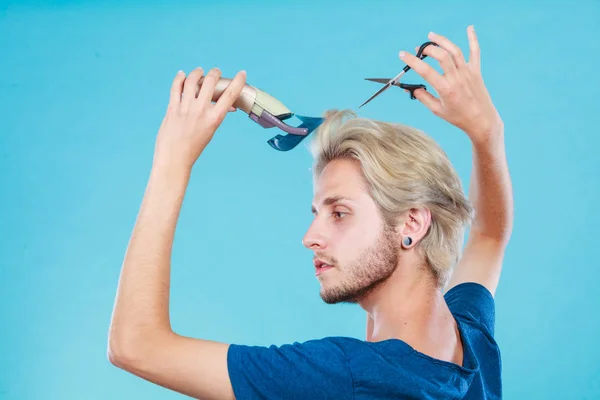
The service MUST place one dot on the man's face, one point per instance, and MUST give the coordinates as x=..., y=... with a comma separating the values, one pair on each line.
x=349, y=235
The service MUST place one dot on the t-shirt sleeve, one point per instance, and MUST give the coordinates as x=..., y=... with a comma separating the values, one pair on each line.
x=473, y=302
x=316, y=369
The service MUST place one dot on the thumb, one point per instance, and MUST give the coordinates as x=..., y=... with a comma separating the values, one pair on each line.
x=429, y=100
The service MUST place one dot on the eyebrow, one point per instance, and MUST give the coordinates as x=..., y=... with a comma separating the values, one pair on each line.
x=331, y=200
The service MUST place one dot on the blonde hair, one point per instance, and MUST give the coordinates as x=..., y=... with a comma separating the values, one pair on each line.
x=404, y=169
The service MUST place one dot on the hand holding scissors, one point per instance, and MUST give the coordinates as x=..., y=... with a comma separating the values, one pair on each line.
x=463, y=98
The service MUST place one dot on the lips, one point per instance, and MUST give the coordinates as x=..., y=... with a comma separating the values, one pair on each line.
x=321, y=266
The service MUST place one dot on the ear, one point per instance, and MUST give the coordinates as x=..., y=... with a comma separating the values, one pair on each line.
x=413, y=226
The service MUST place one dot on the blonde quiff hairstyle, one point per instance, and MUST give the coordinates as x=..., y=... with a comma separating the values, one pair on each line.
x=404, y=169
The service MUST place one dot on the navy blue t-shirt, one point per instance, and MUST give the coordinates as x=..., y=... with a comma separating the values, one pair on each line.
x=347, y=368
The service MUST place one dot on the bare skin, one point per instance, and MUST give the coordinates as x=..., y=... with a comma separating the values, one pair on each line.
x=406, y=306
x=350, y=235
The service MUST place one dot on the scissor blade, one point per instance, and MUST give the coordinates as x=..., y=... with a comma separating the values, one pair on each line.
x=383, y=80
x=387, y=85
x=379, y=80
x=393, y=81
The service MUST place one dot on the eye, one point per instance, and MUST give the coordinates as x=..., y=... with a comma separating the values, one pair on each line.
x=339, y=214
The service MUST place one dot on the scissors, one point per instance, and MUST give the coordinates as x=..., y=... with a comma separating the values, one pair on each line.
x=395, y=81
x=269, y=112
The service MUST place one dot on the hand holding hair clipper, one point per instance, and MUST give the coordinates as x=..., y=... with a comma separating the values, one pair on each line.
x=199, y=103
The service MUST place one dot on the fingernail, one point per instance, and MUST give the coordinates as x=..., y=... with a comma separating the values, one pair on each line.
x=431, y=35
x=402, y=54
x=180, y=72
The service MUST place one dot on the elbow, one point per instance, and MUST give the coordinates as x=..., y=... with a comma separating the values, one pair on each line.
x=132, y=352
x=115, y=358
x=121, y=353
x=133, y=359
x=125, y=346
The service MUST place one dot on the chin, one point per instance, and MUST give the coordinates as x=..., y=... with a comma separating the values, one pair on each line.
x=335, y=294
x=332, y=299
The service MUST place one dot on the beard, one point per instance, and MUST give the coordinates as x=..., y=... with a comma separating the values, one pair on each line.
x=371, y=269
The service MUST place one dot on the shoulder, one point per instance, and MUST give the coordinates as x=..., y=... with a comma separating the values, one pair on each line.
x=473, y=304
x=290, y=370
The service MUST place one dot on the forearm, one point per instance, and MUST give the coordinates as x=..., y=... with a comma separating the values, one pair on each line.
x=141, y=308
x=491, y=189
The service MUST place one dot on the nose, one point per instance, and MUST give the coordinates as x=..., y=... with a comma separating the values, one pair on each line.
x=315, y=238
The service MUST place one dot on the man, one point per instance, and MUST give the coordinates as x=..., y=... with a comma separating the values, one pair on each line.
x=389, y=216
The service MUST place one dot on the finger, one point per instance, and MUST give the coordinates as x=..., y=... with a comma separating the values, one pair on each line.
x=176, y=88
x=475, y=55
x=444, y=58
x=423, y=69
x=429, y=100
x=232, y=109
x=231, y=94
x=190, y=85
x=207, y=90
x=454, y=50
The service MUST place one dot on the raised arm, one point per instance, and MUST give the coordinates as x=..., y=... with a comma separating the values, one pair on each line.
x=465, y=103
x=141, y=340
x=491, y=194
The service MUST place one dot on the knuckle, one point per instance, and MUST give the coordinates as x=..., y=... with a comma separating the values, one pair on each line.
x=172, y=109
x=208, y=79
x=451, y=92
x=419, y=68
x=194, y=111
x=183, y=109
x=194, y=74
x=230, y=96
x=214, y=73
x=212, y=76
x=201, y=112
x=212, y=119
x=444, y=87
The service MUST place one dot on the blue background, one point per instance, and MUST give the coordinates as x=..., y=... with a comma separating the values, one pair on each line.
x=83, y=89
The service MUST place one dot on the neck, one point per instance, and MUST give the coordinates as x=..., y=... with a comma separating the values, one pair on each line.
x=407, y=306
